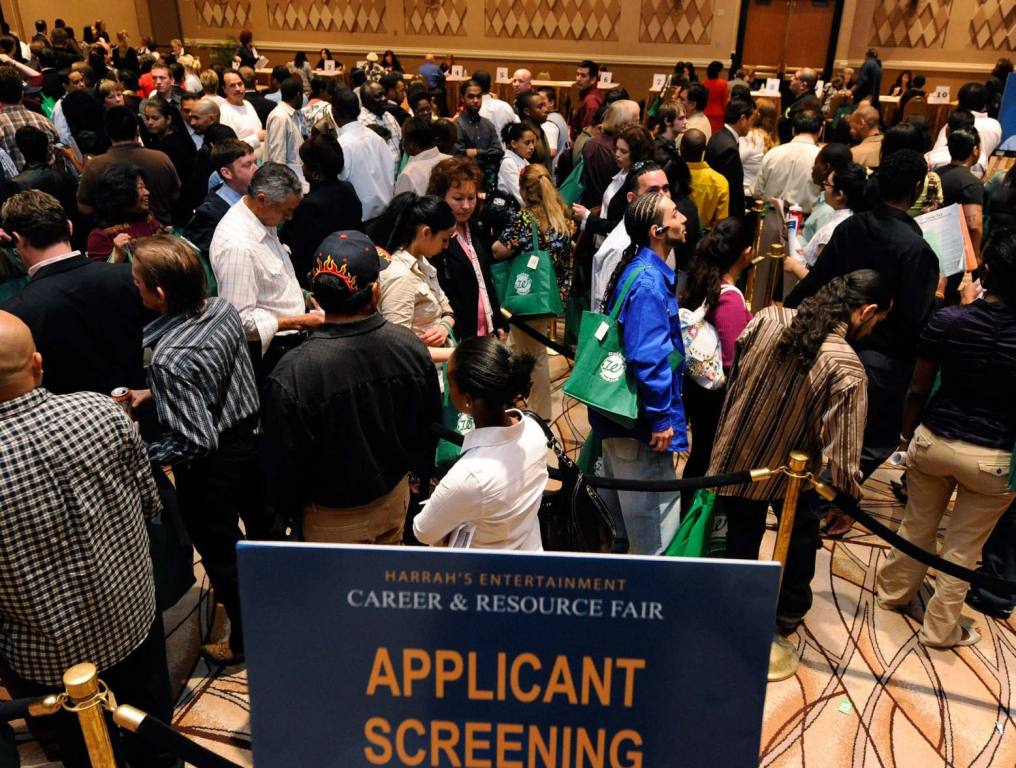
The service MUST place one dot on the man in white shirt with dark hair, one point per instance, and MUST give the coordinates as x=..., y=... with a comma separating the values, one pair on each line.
x=238, y=113
x=367, y=162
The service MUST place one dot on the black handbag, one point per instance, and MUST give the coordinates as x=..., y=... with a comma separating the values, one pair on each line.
x=573, y=518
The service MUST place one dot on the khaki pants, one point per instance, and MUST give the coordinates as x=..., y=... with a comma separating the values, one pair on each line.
x=937, y=466
x=380, y=522
x=539, y=395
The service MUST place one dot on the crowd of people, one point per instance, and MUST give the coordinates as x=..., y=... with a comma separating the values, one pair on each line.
x=286, y=290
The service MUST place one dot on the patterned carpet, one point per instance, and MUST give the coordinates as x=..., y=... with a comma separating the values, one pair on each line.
x=866, y=693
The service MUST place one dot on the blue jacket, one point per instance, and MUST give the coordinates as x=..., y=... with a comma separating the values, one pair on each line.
x=650, y=333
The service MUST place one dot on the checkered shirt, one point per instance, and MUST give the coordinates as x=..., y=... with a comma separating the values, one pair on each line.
x=14, y=116
x=75, y=572
x=201, y=379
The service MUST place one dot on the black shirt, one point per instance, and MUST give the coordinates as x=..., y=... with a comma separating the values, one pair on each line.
x=959, y=185
x=330, y=206
x=975, y=347
x=887, y=240
x=347, y=414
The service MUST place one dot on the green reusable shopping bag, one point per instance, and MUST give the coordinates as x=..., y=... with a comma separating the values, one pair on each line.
x=500, y=271
x=572, y=188
x=532, y=289
x=448, y=452
x=694, y=536
x=600, y=376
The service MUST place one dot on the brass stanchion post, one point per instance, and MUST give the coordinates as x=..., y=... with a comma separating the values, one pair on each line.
x=774, y=266
x=88, y=699
x=783, y=657
x=759, y=210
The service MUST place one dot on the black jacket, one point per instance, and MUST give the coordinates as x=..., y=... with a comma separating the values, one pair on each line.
x=347, y=414
x=47, y=178
x=458, y=281
x=330, y=206
x=87, y=319
x=261, y=105
x=206, y=218
x=887, y=240
x=603, y=223
x=724, y=157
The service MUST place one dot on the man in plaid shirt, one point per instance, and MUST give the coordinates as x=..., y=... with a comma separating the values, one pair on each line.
x=14, y=115
x=75, y=572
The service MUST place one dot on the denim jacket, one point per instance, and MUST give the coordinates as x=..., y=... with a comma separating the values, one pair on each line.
x=651, y=333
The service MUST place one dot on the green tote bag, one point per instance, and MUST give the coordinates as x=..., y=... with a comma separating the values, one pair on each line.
x=532, y=289
x=694, y=536
x=447, y=453
x=600, y=377
x=572, y=188
x=500, y=271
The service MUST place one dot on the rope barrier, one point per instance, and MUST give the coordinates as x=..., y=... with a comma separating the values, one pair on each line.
x=16, y=709
x=683, y=484
x=521, y=324
x=851, y=507
x=157, y=733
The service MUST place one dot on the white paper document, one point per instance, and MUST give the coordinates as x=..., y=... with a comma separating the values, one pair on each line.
x=943, y=231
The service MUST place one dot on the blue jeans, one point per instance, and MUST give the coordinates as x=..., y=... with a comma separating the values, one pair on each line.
x=651, y=518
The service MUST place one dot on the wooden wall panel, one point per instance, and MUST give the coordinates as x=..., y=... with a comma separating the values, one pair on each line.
x=553, y=19
x=327, y=15
x=910, y=23
x=435, y=17
x=223, y=14
x=685, y=22
x=994, y=25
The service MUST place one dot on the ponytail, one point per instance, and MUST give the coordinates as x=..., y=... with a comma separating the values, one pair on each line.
x=818, y=315
x=396, y=227
x=487, y=370
x=542, y=198
x=642, y=213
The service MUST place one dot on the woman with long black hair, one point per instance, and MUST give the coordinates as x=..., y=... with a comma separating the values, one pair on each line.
x=414, y=229
x=797, y=384
x=960, y=440
x=720, y=258
x=497, y=485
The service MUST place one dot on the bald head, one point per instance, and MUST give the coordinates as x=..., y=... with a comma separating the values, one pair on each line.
x=693, y=145
x=204, y=114
x=863, y=122
x=522, y=81
x=20, y=364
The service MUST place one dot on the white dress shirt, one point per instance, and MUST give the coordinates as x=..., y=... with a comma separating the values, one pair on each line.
x=389, y=123
x=786, y=173
x=990, y=132
x=415, y=177
x=498, y=112
x=367, y=165
x=751, y=148
x=243, y=120
x=283, y=138
x=508, y=175
x=605, y=261
x=254, y=273
x=497, y=485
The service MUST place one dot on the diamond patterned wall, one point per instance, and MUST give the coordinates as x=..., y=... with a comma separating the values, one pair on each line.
x=553, y=19
x=911, y=23
x=327, y=15
x=994, y=25
x=223, y=13
x=676, y=21
x=435, y=17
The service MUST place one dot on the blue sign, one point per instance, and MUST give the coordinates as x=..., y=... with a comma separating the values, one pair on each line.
x=1007, y=111
x=401, y=656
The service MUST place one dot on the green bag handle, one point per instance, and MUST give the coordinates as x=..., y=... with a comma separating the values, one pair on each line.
x=624, y=293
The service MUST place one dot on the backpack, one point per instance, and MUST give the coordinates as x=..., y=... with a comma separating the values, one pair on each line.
x=703, y=356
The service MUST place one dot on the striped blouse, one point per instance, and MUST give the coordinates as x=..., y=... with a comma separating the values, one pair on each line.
x=773, y=408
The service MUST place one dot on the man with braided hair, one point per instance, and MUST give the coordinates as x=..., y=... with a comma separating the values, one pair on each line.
x=651, y=337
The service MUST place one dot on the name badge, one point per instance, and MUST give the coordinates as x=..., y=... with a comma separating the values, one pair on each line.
x=601, y=332
x=534, y=261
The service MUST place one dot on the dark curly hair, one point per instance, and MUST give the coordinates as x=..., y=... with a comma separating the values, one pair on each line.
x=818, y=315
x=486, y=369
x=115, y=193
x=716, y=253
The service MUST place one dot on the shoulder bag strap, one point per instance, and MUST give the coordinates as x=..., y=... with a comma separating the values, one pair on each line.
x=624, y=292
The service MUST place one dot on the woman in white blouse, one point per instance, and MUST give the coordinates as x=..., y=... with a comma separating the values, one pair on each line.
x=497, y=483
x=760, y=139
x=519, y=143
x=414, y=229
